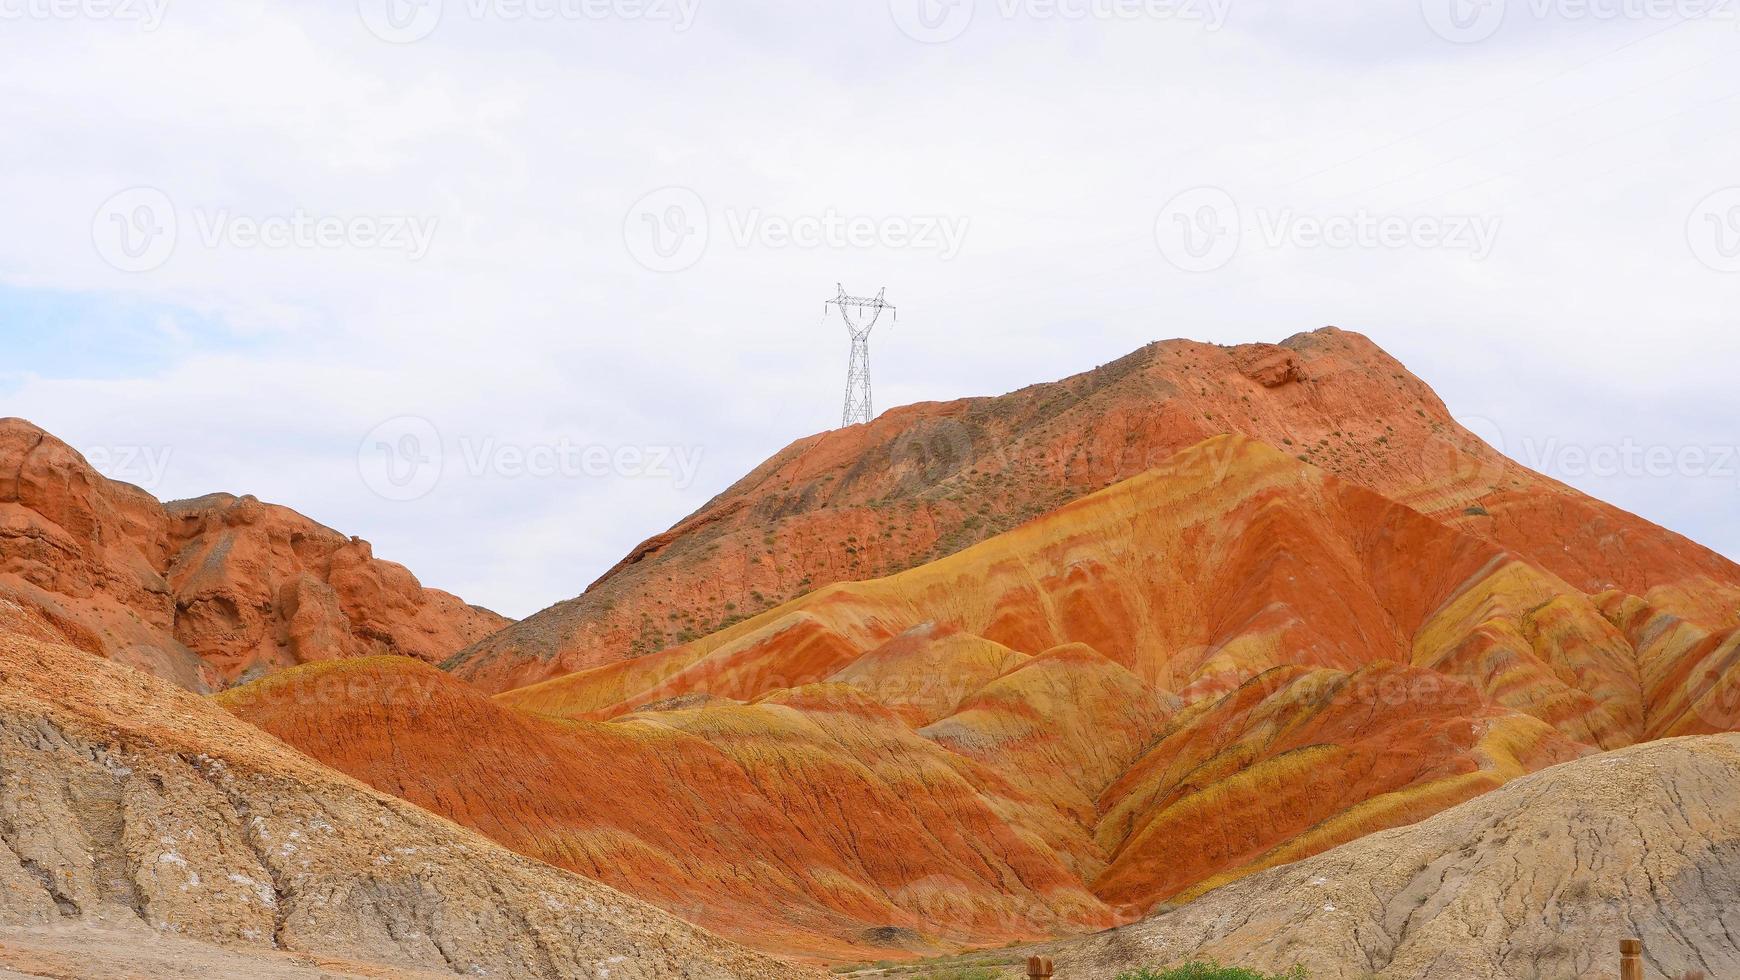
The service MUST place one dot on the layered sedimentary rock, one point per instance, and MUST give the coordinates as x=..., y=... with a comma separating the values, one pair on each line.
x=1540, y=879
x=132, y=808
x=813, y=822
x=1223, y=563
x=1233, y=661
x=201, y=592
x=924, y=481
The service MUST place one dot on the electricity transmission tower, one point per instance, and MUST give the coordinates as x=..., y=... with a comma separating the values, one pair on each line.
x=860, y=316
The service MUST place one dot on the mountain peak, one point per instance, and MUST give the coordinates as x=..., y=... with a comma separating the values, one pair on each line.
x=924, y=481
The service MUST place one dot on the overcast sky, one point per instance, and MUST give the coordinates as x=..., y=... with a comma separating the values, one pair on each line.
x=506, y=286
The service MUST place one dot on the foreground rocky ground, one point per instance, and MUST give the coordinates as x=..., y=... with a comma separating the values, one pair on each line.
x=128, y=806
x=1535, y=881
x=130, y=954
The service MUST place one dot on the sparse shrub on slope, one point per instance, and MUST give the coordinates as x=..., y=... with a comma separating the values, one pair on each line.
x=1211, y=971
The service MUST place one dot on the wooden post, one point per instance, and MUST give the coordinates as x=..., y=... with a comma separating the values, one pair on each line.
x=1631, y=959
x=1039, y=968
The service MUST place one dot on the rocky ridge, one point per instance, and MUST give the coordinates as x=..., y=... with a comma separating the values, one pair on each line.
x=206, y=592
x=128, y=805
x=925, y=481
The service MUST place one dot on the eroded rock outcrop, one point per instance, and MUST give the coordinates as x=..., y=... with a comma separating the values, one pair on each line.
x=127, y=804
x=204, y=592
x=1535, y=881
x=802, y=823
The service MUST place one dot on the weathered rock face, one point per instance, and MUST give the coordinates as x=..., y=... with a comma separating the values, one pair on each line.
x=95, y=953
x=805, y=822
x=1230, y=662
x=202, y=592
x=1225, y=562
x=130, y=805
x=1536, y=881
x=924, y=481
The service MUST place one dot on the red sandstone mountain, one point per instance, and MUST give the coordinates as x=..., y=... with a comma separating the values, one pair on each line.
x=1232, y=661
x=811, y=823
x=1237, y=656
x=924, y=481
x=202, y=592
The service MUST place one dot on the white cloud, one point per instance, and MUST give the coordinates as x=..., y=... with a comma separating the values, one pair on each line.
x=1057, y=141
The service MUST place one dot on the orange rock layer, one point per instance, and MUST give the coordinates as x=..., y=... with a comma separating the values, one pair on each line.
x=1231, y=661
x=202, y=592
x=924, y=481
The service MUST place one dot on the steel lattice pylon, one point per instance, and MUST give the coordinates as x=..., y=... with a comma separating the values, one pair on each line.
x=860, y=316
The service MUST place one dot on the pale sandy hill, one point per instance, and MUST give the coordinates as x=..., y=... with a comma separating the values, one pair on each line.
x=1535, y=881
x=130, y=805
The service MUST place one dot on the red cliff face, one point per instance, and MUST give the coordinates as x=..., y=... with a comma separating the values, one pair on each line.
x=201, y=592
x=924, y=481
